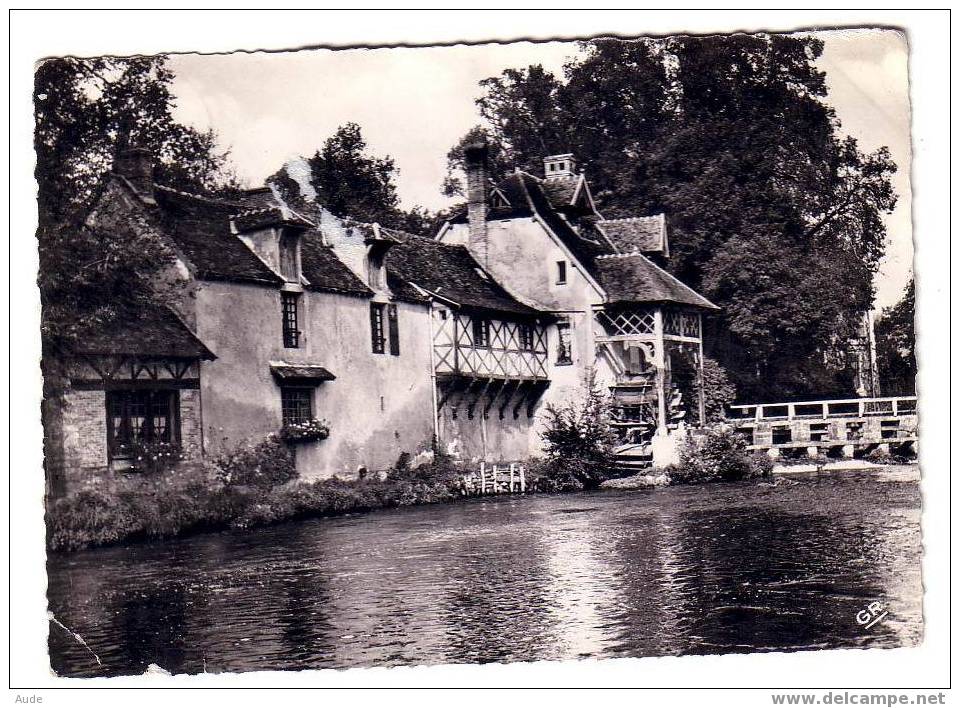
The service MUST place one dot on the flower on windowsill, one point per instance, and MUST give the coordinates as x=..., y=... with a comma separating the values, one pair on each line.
x=305, y=431
x=153, y=456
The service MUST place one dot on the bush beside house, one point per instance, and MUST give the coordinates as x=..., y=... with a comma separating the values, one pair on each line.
x=717, y=454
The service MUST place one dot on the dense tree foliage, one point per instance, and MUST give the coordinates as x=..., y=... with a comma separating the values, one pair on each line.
x=350, y=182
x=896, y=346
x=86, y=110
x=772, y=212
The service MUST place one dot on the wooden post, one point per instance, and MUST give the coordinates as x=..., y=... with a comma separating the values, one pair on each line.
x=894, y=404
x=791, y=411
x=701, y=394
x=510, y=488
x=523, y=483
x=483, y=469
x=660, y=361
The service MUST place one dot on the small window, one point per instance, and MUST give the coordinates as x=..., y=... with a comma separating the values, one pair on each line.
x=481, y=332
x=296, y=404
x=561, y=272
x=564, y=344
x=290, y=303
x=377, y=331
x=526, y=338
x=288, y=256
x=375, y=271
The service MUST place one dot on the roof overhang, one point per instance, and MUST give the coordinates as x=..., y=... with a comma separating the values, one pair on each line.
x=299, y=374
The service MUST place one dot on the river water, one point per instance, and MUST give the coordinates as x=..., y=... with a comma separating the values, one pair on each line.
x=697, y=570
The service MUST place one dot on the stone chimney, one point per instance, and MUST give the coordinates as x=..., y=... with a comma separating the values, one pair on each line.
x=564, y=165
x=475, y=163
x=136, y=165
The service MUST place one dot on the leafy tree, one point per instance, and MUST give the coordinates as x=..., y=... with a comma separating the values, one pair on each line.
x=497, y=161
x=896, y=345
x=351, y=183
x=772, y=213
x=718, y=391
x=86, y=110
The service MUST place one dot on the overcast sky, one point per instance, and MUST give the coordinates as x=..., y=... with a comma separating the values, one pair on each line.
x=414, y=103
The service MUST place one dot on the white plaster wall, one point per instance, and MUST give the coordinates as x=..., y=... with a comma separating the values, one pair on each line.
x=378, y=406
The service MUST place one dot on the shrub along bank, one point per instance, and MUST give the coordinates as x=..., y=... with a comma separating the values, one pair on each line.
x=256, y=486
x=251, y=487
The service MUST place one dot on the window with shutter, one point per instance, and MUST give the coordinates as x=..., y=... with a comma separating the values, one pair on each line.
x=394, y=330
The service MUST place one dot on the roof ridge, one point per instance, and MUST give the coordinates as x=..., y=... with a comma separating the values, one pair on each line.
x=658, y=215
x=628, y=254
x=199, y=197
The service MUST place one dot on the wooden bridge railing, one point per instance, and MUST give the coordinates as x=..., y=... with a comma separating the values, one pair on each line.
x=840, y=408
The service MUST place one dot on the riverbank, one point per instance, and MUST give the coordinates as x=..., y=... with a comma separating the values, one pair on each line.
x=172, y=507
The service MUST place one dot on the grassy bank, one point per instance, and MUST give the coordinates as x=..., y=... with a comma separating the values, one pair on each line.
x=165, y=509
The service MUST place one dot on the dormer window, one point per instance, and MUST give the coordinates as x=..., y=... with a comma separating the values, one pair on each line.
x=289, y=258
x=375, y=270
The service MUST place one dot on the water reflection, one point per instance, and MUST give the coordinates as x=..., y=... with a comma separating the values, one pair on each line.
x=677, y=571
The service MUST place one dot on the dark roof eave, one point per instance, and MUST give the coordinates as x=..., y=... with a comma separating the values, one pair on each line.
x=709, y=307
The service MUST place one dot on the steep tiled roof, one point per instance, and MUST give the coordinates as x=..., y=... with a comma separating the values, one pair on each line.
x=632, y=277
x=450, y=272
x=200, y=227
x=324, y=271
x=584, y=249
x=561, y=190
x=639, y=233
x=144, y=330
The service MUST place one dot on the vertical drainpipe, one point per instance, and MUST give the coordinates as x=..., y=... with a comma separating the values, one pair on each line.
x=433, y=377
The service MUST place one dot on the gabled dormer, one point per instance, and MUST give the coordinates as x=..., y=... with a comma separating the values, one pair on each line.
x=272, y=234
x=378, y=242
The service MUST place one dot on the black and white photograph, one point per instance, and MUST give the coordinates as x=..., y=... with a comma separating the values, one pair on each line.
x=385, y=355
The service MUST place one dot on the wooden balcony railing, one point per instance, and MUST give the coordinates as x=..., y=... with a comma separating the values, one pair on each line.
x=841, y=408
x=467, y=345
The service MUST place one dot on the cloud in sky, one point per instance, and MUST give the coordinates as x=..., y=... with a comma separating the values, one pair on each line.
x=415, y=103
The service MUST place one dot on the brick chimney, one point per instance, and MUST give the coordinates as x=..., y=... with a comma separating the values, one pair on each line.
x=136, y=165
x=475, y=162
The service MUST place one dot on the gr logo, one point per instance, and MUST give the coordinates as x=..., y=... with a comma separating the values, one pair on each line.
x=874, y=612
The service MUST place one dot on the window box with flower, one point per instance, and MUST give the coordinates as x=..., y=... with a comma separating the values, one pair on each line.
x=152, y=457
x=305, y=431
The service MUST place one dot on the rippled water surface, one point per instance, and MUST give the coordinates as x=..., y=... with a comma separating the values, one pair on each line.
x=699, y=570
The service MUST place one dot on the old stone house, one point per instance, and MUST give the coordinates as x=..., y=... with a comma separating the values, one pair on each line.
x=291, y=316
